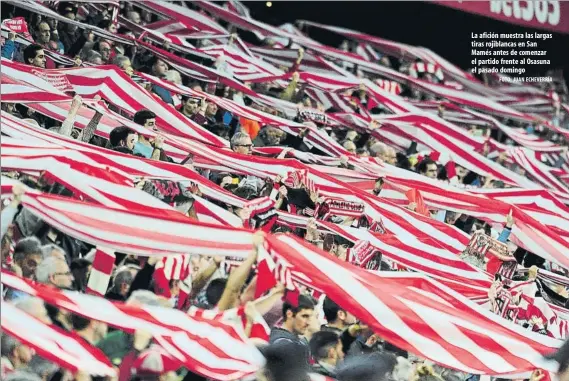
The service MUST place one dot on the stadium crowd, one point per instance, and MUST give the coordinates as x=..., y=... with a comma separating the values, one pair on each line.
x=302, y=335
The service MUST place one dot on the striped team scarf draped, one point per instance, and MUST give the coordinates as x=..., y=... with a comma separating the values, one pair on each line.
x=101, y=271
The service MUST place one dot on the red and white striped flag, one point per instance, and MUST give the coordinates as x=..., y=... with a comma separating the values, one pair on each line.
x=207, y=346
x=54, y=344
x=101, y=271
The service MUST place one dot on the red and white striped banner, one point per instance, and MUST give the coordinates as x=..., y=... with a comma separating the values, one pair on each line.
x=53, y=343
x=415, y=312
x=207, y=346
x=101, y=271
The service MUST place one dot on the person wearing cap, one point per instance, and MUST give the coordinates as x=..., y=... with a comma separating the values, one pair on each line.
x=326, y=349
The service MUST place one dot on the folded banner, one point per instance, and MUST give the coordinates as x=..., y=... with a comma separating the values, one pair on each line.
x=550, y=15
x=17, y=25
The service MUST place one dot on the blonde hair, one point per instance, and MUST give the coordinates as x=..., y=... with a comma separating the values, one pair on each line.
x=174, y=76
x=426, y=373
x=532, y=274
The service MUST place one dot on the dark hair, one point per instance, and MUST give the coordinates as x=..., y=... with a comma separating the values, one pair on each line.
x=104, y=24
x=65, y=7
x=402, y=161
x=442, y=175
x=79, y=268
x=31, y=51
x=321, y=342
x=98, y=141
x=246, y=192
x=286, y=360
x=338, y=240
x=27, y=246
x=422, y=166
x=304, y=303
x=220, y=129
x=142, y=116
x=215, y=290
x=194, y=83
x=79, y=322
x=469, y=178
x=154, y=60
x=330, y=309
x=119, y=134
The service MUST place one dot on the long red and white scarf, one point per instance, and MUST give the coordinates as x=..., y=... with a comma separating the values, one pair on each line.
x=192, y=340
x=53, y=343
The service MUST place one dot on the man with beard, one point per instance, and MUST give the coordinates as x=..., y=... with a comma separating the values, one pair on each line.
x=27, y=256
x=105, y=49
x=326, y=348
x=295, y=322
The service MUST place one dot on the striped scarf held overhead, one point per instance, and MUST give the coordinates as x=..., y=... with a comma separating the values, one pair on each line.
x=174, y=268
x=101, y=271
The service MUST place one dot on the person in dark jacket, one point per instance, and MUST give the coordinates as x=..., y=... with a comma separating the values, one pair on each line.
x=326, y=349
x=374, y=367
x=296, y=320
x=341, y=322
x=121, y=285
x=285, y=362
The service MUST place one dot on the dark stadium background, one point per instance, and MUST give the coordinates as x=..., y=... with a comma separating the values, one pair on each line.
x=444, y=30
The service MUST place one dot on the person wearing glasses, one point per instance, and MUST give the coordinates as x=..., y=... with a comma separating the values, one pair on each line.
x=55, y=271
x=241, y=143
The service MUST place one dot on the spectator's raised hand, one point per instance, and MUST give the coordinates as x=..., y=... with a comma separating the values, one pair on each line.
x=195, y=189
x=158, y=142
x=251, y=312
x=141, y=340
x=17, y=191
x=283, y=191
x=153, y=260
x=244, y=213
x=314, y=196
x=76, y=103
x=258, y=237
x=510, y=220
x=537, y=375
